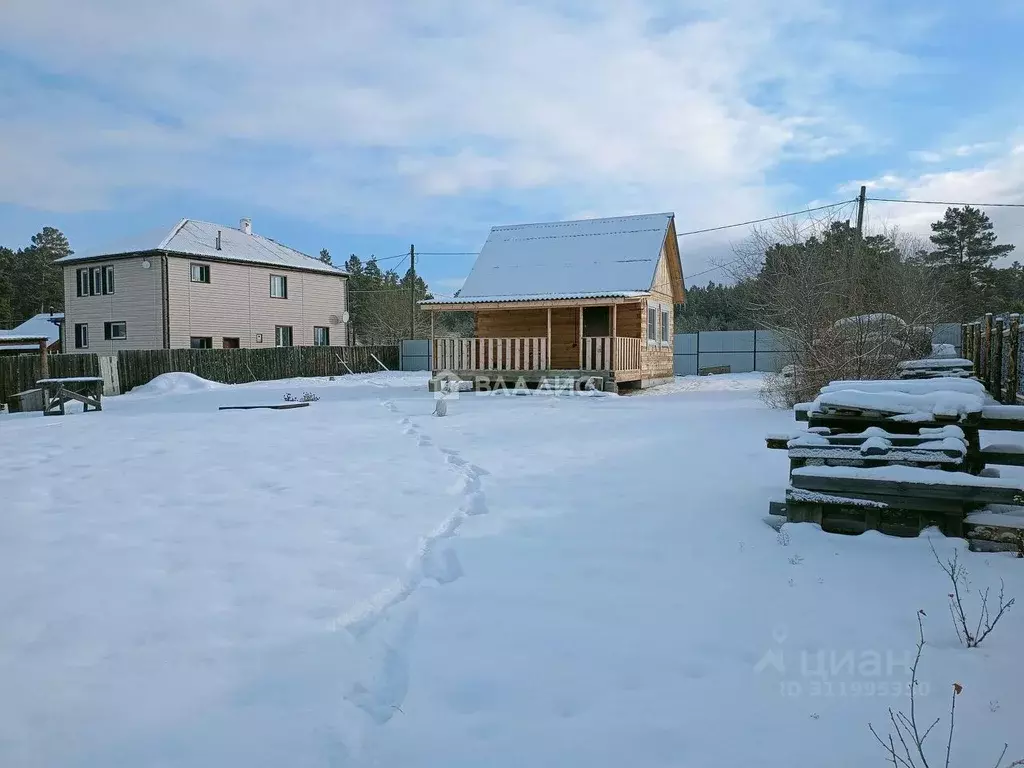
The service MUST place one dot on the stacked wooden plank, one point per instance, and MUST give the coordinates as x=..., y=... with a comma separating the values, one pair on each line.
x=901, y=455
x=936, y=367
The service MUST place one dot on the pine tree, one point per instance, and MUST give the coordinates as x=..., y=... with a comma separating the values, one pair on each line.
x=965, y=249
x=39, y=283
x=325, y=256
x=6, y=288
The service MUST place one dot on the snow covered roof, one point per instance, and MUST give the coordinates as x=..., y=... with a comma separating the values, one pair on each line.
x=199, y=238
x=33, y=330
x=589, y=258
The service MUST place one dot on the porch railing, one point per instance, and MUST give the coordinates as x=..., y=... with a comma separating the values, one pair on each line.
x=491, y=354
x=598, y=353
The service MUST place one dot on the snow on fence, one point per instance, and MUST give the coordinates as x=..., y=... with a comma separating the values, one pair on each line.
x=240, y=366
x=21, y=372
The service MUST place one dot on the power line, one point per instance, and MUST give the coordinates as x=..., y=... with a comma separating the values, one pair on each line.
x=766, y=218
x=940, y=202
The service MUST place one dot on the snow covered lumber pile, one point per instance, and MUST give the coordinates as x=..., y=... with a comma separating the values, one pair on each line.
x=936, y=367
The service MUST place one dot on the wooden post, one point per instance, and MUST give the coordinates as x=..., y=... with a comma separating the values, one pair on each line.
x=1013, y=361
x=997, y=367
x=581, y=336
x=431, y=350
x=988, y=351
x=976, y=349
x=965, y=341
x=547, y=352
x=615, y=335
x=44, y=362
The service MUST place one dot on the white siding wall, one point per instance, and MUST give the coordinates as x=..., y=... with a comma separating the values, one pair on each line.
x=135, y=301
x=237, y=304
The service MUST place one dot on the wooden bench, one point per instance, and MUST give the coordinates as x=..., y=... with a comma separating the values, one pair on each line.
x=87, y=390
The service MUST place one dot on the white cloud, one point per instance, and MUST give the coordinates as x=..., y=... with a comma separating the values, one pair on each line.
x=402, y=113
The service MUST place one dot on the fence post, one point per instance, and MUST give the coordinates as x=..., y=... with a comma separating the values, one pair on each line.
x=965, y=341
x=976, y=348
x=1013, y=360
x=988, y=351
x=997, y=367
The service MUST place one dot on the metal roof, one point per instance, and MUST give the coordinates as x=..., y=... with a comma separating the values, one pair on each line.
x=537, y=297
x=34, y=329
x=568, y=259
x=199, y=238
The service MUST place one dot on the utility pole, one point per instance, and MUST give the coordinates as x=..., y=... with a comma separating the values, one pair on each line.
x=412, y=291
x=861, y=202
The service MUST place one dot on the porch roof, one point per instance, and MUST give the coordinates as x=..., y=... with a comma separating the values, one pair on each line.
x=526, y=301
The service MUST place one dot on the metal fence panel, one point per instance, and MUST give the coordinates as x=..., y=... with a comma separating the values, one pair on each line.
x=415, y=355
x=726, y=341
x=738, y=362
x=684, y=365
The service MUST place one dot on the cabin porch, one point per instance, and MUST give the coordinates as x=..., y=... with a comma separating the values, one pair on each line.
x=534, y=345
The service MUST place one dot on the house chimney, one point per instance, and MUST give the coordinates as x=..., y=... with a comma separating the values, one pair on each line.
x=246, y=226
x=218, y=239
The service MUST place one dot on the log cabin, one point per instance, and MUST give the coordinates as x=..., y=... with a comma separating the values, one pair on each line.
x=589, y=300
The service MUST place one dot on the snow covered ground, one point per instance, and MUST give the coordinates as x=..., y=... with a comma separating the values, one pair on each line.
x=537, y=580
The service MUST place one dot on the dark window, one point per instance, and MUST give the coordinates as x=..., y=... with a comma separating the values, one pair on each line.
x=652, y=324
x=200, y=273
x=230, y=342
x=201, y=342
x=321, y=336
x=108, y=280
x=664, y=324
x=597, y=321
x=115, y=331
x=82, y=276
x=81, y=335
x=283, y=335
x=96, y=281
x=278, y=287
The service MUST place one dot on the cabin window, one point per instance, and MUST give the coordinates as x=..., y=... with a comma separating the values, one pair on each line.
x=81, y=335
x=108, y=280
x=283, y=335
x=115, y=331
x=231, y=342
x=83, y=282
x=652, y=324
x=95, y=281
x=321, y=336
x=279, y=287
x=199, y=273
x=201, y=342
x=666, y=326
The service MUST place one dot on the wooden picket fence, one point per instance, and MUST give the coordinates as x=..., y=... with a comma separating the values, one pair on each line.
x=993, y=345
x=21, y=372
x=240, y=366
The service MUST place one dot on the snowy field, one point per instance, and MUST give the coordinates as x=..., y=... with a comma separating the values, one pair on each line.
x=529, y=581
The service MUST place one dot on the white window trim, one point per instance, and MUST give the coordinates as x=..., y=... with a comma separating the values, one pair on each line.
x=666, y=312
x=651, y=305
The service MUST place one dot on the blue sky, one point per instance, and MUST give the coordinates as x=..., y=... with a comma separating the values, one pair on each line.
x=364, y=127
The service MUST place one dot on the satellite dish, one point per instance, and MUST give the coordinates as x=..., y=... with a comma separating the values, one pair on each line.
x=344, y=317
x=146, y=264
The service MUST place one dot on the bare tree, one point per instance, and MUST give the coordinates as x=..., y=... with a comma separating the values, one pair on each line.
x=845, y=306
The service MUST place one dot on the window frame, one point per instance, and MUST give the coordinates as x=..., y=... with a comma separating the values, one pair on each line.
x=107, y=279
x=277, y=335
x=204, y=269
x=666, y=339
x=96, y=281
x=82, y=281
x=652, y=324
x=192, y=342
x=108, y=330
x=327, y=335
x=284, y=289
x=81, y=335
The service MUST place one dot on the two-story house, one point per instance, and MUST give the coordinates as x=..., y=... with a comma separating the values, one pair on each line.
x=202, y=285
